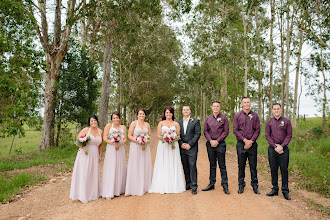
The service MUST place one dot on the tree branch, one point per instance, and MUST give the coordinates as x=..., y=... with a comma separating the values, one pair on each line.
x=44, y=24
x=33, y=20
x=310, y=33
x=30, y=77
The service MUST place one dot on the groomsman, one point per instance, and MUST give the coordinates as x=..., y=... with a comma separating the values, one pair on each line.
x=190, y=133
x=278, y=135
x=246, y=127
x=216, y=129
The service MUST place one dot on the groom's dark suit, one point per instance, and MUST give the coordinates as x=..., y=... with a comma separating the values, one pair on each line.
x=189, y=157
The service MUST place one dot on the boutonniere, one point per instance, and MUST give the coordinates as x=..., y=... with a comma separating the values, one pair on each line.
x=250, y=116
x=219, y=120
x=282, y=123
x=191, y=119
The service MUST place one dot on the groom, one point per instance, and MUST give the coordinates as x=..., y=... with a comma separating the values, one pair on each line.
x=189, y=134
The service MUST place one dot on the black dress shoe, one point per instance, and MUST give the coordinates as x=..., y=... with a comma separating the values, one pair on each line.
x=209, y=187
x=188, y=187
x=256, y=190
x=240, y=190
x=194, y=191
x=272, y=193
x=286, y=196
x=226, y=190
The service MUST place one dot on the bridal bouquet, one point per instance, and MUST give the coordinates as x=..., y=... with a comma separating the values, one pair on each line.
x=116, y=136
x=170, y=137
x=83, y=141
x=142, y=139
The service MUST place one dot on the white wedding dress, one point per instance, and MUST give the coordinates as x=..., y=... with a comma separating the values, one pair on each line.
x=168, y=174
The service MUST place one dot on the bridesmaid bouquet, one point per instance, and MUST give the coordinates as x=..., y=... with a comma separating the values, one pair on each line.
x=83, y=141
x=142, y=139
x=115, y=136
x=170, y=137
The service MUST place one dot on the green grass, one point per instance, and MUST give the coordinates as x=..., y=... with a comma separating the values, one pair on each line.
x=323, y=209
x=27, y=143
x=63, y=154
x=24, y=144
x=10, y=186
x=25, y=154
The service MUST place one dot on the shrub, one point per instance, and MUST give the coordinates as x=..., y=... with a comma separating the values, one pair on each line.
x=317, y=130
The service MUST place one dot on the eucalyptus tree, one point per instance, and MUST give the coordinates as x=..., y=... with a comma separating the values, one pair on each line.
x=271, y=55
x=290, y=14
x=20, y=68
x=53, y=24
x=110, y=19
x=77, y=88
x=261, y=24
x=295, y=101
x=226, y=31
x=315, y=25
x=147, y=60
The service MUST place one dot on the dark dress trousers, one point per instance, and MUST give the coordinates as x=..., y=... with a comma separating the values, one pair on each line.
x=279, y=131
x=247, y=126
x=189, y=157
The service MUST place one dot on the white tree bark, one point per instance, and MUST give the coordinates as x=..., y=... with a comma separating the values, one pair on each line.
x=295, y=101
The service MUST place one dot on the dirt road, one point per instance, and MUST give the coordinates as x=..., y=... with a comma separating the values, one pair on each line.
x=51, y=200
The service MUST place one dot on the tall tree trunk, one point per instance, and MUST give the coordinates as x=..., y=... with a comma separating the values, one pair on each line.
x=204, y=106
x=324, y=85
x=47, y=133
x=287, y=76
x=271, y=58
x=259, y=77
x=324, y=106
x=263, y=109
x=245, y=24
x=224, y=90
x=245, y=56
x=58, y=124
x=201, y=106
x=196, y=105
x=281, y=26
x=83, y=28
x=297, y=80
x=55, y=53
x=301, y=86
x=95, y=30
x=125, y=114
x=105, y=82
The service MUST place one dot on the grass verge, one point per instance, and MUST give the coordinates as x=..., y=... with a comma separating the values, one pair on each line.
x=63, y=154
x=12, y=185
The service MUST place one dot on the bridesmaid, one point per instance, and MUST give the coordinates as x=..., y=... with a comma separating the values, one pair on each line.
x=139, y=172
x=114, y=167
x=85, y=177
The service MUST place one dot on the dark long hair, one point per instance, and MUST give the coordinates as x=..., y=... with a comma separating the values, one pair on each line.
x=89, y=120
x=171, y=110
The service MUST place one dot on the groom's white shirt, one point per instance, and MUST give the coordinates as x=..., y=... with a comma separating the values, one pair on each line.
x=185, y=124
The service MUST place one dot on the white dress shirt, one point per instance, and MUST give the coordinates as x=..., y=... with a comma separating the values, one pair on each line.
x=185, y=125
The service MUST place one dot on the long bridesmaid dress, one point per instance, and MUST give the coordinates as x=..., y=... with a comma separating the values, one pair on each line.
x=139, y=172
x=114, y=170
x=85, y=177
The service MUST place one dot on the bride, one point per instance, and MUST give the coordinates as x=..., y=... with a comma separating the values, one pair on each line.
x=168, y=173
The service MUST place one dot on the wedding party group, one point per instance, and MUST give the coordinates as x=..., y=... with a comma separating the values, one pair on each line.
x=175, y=168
